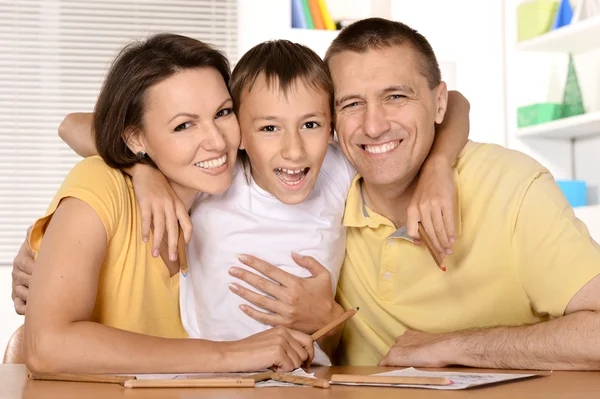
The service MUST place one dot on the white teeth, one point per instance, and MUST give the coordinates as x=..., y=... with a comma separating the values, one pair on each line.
x=290, y=171
x=213, y=163
x=380, y=149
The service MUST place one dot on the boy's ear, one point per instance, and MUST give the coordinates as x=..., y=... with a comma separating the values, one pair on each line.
x=134, y=140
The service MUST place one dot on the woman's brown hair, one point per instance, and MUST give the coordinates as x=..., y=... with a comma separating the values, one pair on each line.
x=140, y=65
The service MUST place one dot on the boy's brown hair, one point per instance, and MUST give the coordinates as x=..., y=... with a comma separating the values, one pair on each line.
x=378, y=33
x=139, y=66
x=283, y=63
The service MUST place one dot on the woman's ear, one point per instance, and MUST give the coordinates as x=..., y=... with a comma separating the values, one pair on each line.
x=134, y=140
x=242, y=145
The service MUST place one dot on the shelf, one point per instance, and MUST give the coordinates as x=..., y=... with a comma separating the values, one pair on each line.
x=586, y=125
x=577, y=38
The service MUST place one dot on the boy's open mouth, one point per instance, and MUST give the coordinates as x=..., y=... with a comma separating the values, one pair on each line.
x=291, y=177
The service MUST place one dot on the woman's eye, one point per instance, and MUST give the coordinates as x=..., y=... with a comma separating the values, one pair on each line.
x=310, y=125
x=223, y=112
x=269, y=128
x=183, y=126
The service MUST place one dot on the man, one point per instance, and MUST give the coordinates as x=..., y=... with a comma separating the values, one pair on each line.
x=522, y=288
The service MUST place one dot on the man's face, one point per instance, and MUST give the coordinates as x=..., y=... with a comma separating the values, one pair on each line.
x=385, y=112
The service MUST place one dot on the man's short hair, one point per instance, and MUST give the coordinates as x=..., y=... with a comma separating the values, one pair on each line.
x=378, y=33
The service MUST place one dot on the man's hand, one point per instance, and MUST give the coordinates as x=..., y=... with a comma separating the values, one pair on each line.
x=418, y=349
x=303, y=304
x=432, y=204
x=23, y=265
x=161, y=208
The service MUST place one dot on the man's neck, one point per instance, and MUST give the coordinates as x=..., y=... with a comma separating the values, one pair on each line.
x=390, y=201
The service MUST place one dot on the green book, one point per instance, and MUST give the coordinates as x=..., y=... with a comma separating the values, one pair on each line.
x=309, y=21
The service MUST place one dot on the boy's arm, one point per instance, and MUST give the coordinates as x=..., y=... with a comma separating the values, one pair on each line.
x=76, y=131
x=160, y=205
x=433, y=201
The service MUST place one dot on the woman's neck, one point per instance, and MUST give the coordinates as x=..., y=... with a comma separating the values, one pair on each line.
x=186, y=195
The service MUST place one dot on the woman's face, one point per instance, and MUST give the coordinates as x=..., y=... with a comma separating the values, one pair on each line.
x=191, y=132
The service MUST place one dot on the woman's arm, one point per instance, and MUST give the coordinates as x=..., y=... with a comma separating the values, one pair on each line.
x=60, y=338
x=433, y=201
x=76, y=131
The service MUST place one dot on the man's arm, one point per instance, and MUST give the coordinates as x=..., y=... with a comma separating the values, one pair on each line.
x=432, y=202
x=558, y=266
x=76, y=131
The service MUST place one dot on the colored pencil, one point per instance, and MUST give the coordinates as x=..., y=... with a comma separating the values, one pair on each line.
x=381, y=379
x=334, y=323
x=192, y=383
x=436, y=256
x=70, y=377
x=294, y=379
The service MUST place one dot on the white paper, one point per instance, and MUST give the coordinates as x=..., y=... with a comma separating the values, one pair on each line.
x=460, y=380
x=262, y=384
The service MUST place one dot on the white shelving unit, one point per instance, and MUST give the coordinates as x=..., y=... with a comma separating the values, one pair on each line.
x=575, y=127
x=566, y=146
x=577, y=38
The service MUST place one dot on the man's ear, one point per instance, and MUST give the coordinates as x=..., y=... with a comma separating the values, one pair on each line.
x=134, y=140
x=441, y=101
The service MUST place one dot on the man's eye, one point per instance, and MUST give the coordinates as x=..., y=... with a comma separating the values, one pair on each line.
x=183, y=126
x=310, y=125
x=397, y=96
x=223, y=112
x=269, y=128
x=351, y=105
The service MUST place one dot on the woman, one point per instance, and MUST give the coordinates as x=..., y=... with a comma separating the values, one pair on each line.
x=103, y=301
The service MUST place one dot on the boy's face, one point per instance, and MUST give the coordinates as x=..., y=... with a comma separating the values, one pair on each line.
x=285, y=136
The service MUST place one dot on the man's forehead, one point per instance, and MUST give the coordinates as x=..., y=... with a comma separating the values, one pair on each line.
x=389, y=66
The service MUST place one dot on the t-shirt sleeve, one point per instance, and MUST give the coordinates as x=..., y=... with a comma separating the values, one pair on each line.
x=556, y=256
x=95, y=183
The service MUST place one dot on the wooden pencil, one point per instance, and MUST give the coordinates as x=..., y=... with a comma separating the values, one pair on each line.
x=294, y=379
x=381, y=379
x=436, y=256
x=258, y=377
x=68, y=377
x=192, y=383
x=333, y=324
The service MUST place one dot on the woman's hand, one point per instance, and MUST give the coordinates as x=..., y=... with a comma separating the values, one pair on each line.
x=303, y=304
x=161, y=208
x=432, y=204
x=278, y=348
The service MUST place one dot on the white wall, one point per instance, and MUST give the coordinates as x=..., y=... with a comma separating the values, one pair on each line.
x=9, y=320
x=468, y=33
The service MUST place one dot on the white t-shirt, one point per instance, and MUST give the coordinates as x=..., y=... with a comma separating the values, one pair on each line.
x=248, y=220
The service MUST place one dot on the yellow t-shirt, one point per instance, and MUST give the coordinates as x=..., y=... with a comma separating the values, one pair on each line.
x=135, y=290
x=519, y=257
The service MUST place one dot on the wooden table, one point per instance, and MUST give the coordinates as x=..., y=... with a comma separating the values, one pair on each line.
x=573, y=385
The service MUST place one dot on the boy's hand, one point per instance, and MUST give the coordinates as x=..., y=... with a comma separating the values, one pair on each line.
x=432, y=204
x=160, y=207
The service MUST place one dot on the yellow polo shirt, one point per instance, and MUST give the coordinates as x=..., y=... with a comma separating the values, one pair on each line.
x=519, y=257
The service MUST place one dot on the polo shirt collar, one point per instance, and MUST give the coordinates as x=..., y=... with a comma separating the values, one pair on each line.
x=358, y=215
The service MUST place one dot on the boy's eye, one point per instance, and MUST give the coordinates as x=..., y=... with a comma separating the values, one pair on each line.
x=310, y=125
x=269, y=128
x=183, y=126
x=223, y=112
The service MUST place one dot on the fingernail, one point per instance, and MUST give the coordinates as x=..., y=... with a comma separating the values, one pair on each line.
x=452, y=239
x=145, y=239
x=173, y=257
x=298, y=255
x=449, y=251
x=155, y=253
x=243, y=308
x=242, y=257
x=234, y=287
x=443, y=255
x=233, y=271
